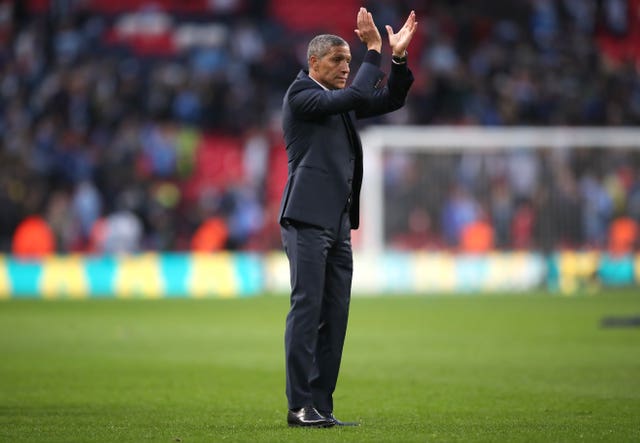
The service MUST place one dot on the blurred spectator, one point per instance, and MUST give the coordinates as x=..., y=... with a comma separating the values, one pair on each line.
x=460, y=210
x=502, y=213
x=210, y=236
x=477, y=237
x=33, y=238
x=60, y=218
x=122, y=233
x=522, y=227
x=623, y=236
x=105, y=110
x=597, y=210
x=86, y=207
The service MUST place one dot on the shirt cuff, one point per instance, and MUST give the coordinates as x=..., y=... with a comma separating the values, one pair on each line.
x=373, y=57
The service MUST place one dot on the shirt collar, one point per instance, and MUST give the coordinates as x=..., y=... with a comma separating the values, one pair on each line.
x=321, y=85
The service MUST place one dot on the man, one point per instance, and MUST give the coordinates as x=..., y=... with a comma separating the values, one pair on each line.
x=320, y=204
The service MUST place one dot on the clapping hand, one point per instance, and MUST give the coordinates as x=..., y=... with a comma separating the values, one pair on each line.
x=400, y=40
x=367, y=31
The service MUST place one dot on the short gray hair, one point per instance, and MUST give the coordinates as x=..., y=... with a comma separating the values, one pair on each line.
x=321, y=44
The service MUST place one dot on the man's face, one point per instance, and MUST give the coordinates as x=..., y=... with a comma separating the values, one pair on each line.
x=332, y=70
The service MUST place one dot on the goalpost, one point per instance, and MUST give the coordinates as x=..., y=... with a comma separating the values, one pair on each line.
x=436, y=140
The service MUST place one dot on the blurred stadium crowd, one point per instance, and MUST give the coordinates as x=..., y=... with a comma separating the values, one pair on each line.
x=154, y=125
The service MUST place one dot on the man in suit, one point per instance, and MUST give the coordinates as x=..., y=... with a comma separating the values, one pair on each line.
x=320, y=204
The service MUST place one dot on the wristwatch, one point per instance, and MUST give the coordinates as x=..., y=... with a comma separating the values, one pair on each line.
x=400, y=60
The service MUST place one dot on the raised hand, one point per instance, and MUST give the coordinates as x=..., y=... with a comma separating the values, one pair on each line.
x=400, y=41
x=367, y=31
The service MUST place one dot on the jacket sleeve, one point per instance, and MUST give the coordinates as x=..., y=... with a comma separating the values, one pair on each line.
x=314, y=102
x=389, y=98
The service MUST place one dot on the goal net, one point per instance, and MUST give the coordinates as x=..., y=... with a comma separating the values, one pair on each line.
x=475, y=189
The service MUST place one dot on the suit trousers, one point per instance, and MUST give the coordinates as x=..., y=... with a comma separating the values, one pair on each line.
x=321, y=269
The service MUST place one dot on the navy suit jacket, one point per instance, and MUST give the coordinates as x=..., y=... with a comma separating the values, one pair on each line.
x=323, y=148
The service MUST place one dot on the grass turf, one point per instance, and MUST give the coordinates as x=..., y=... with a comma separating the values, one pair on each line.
x=469, y=368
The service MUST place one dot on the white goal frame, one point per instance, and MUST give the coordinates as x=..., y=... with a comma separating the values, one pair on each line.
x=377, y=139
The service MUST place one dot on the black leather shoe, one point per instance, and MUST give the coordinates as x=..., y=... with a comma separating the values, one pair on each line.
x=309, y=417
x=336, y=422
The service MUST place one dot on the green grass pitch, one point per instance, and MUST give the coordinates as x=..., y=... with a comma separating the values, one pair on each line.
x=519, y=368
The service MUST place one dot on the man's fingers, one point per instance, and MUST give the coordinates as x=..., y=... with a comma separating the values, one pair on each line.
x=360, y=17
x=413, y=28
x=389, y=30
x=367, y=19
x=411, y=18
x=410, y=21
x=411, y=24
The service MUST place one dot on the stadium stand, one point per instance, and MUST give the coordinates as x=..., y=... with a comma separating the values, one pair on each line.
x=169, y=111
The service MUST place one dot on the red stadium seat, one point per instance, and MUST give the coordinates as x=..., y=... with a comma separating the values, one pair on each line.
x=325, y=16
x=218, y=163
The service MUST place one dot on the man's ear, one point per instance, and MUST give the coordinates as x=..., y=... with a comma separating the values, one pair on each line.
x=313, y=63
